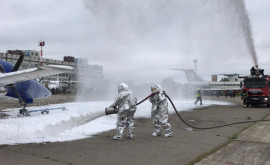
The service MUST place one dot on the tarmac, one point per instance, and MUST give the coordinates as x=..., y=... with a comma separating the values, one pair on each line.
x=233, y=145
x=251, y=147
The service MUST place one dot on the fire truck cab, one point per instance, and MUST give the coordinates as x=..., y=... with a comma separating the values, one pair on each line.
x=256, y=90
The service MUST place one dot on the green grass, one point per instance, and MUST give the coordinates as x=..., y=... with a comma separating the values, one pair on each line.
x=54, y=159
x=234, y=136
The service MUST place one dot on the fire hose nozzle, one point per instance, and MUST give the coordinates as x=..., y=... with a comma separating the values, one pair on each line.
x=110, y=110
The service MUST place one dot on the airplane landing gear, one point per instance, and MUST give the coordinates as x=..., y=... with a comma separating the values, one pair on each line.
x=24, y=112
x=42, y=112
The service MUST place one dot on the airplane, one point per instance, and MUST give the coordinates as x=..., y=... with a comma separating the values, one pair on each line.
x=56, y=84
x=21, y=84
x=232, y=77
x=198, y=82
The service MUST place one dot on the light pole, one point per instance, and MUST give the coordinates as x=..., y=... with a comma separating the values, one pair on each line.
x=195, y=62
x=41, y=44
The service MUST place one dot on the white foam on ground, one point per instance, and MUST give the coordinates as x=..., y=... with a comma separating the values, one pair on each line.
x=80, y=120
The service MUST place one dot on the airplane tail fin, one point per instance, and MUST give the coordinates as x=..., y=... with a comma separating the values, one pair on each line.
x=191, y=75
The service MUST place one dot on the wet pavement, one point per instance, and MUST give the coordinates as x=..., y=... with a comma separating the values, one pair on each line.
x=182, y=148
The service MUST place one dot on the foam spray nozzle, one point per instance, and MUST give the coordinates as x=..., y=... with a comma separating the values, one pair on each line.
x=110, y=110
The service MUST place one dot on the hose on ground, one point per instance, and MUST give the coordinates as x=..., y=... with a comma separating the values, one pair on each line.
x=204, y=128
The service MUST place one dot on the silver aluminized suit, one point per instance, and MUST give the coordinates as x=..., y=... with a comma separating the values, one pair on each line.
x=126, y=106
x=159, y=112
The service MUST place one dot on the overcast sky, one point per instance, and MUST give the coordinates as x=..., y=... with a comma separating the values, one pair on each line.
x=142, y=39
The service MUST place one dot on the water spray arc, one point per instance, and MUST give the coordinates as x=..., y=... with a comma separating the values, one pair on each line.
x=244, y=23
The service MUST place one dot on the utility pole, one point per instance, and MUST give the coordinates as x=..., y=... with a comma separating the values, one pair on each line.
x=41, y=44
x=195, y=62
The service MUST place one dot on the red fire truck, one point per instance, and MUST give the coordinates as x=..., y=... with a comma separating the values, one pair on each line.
x=256, y=89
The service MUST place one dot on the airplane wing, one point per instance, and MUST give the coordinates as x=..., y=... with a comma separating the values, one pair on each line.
x=33, y=73
x=191, y=75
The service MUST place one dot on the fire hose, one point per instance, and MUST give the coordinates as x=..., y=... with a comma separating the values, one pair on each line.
x=203, y=128
x=114, y=110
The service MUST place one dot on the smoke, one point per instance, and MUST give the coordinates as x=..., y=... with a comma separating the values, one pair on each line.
x=142, y=39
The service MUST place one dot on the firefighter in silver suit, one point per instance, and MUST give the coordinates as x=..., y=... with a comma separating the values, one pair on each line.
x=159, y=112
x=125, y=103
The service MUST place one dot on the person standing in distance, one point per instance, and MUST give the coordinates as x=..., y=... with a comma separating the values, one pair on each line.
x=198, y=96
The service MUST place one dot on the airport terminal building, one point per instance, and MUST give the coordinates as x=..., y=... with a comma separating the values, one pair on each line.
x=32, y=59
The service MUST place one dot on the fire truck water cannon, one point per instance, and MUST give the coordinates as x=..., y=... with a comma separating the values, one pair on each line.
x=256, y=71
x=256, y=88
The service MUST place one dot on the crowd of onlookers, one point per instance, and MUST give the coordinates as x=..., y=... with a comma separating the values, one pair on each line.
x=225, y=93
